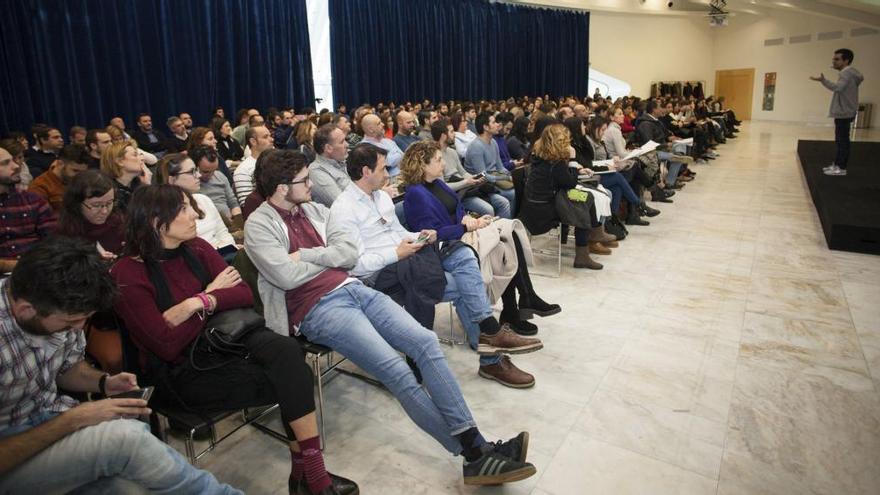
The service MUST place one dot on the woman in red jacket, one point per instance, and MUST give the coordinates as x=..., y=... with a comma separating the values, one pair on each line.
x=170, y=282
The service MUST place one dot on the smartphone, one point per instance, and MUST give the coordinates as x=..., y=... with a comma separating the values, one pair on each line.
x=480, y=175
x=423, y=238
x=138, y=393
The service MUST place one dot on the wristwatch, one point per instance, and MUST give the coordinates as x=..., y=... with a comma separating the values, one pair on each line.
x=102, y=383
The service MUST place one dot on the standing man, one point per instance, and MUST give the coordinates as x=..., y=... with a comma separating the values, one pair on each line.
x=844, y=105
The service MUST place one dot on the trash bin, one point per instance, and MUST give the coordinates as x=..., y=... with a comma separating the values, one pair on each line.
x=863, y=117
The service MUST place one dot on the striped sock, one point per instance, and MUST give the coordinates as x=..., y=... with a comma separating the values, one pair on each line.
x=296, y=466
x=313, y=464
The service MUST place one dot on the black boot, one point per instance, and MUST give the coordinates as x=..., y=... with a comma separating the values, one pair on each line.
x=615, y=228
x=647, y=211
x=633, y=218
x=658, y=195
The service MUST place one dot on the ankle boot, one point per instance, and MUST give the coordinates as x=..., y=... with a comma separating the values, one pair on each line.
x=598, y=234
x=598, y=248
x=582, y=258
x=633, y=217
x=658, y=194
x=647, y=211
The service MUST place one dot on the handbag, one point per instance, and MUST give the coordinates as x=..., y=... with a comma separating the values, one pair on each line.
x=223, y=334
x=502, y=180
x=574, y=213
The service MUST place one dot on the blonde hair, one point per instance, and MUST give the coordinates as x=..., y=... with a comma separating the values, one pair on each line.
x=111, y=157
x=553, y=143
x=412, y=166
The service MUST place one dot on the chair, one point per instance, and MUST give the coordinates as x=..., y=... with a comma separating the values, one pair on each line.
x=555, y=234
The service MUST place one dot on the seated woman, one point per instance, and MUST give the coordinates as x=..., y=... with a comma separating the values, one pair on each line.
x=615, y=182
x=615, y=146
x=88, y=213
x=126, y=166
x=202, y=136
x=170, y=282
x=429, y=204
x=179, y=170
x=548, y=175
x=463, y=135
x=227, y=148
x=305, y=138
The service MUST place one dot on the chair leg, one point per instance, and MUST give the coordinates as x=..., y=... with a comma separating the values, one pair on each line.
x=190, y=447
x=316, y=369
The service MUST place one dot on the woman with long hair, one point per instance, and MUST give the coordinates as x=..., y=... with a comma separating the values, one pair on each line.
x=305, y=135
x=171, y=282
x=203, y=136
x=429, y=204
x=227, y=148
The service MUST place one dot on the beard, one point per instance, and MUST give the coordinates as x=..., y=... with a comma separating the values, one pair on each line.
x=34, y=326
x=11, y=180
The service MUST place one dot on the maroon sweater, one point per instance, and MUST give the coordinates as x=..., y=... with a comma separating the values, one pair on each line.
x=111, y=234
x=137, y=306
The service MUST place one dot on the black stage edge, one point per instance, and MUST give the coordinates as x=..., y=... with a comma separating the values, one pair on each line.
x=849, y=207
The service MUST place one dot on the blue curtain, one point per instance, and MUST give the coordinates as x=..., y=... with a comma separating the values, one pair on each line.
x=396, y=50
x=67, y=62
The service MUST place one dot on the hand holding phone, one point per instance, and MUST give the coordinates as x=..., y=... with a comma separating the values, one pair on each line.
x=138, y=393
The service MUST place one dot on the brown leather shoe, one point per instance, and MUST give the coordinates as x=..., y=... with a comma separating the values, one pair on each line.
x=598, y=248
x=507, y=374
x=507, y=341
x=612, y=244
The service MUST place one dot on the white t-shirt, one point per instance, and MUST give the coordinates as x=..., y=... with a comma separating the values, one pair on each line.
x=211, y=228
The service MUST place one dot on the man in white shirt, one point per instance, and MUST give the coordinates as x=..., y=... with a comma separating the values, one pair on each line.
x=367, y=214
x=259, y=139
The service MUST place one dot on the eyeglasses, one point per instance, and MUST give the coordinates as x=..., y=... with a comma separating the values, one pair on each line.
x=193, y=172
x=100, y=206
x=307, y=180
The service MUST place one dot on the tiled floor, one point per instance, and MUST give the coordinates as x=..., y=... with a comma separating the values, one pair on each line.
x=724, y=349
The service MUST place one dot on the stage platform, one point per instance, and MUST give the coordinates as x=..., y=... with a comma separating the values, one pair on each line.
x=848, y=207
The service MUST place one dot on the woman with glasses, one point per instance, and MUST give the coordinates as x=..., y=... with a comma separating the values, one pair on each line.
x=126, y=166
x=179, y=170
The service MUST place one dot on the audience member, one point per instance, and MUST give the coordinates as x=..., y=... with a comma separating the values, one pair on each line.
x=179, y=170
x=216, y=186
x=88, y=213
x=374, y=133
x=149, y=139
x=97, y=140
x=227, y=148
x=244, y=122
x=187, y=121
x=49, y=442
x=77, y=135
x=259, y=140
x=402, y=263
x=483, y=157
x=25, y=217
x=429, y=204
x=179, y=140
x=327, y=172
x=305, y=136
x=72, y=160
x=44, y=153
x=185, y=280
x=305, y=287
x=118, y=123
x=122, y=162
x=463, y=135
x=281, y=133
x=203, y=136
x=406, y=130
x=16, y=150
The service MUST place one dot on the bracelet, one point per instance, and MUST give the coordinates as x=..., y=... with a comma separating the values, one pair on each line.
x=206, y=303
x=102, y=382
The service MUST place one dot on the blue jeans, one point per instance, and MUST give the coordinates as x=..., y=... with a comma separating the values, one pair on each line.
x=619, y=188
x=510, y=196
x=87, y=459
x=673, y=167
x=497, y=205
x=371, y=330
x=467, y=292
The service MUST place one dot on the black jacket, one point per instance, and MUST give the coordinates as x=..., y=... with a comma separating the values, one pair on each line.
x=538, y=210
x=417, y=283
x=144, y=143
x=648, y=128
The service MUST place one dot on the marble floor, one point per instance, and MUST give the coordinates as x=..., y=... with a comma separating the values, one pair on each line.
x=723, y=350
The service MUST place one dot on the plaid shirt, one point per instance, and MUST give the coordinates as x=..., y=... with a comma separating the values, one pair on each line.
x=29, y=365
x=25, y=218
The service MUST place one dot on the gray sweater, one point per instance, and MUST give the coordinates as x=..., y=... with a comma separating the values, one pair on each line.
x=845, y=100
x=268, y=246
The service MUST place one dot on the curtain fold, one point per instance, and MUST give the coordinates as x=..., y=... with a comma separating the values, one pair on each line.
x=394, y=50
x=81, y=62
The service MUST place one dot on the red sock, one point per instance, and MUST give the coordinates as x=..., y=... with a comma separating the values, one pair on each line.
x=296, y=466
x=313, y=464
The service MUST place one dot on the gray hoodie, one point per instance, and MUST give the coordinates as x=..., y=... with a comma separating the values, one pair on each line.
x=845, y=101
x=268, y=246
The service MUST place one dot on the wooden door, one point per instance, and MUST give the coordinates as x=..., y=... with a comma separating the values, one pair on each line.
x=736, y=86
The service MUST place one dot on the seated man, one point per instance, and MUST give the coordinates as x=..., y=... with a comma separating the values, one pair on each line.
x=305, y=289
x=374, y=133
x=327, y=173
x=216, y=186
x=366, y=213
x=44, y=153
x=406, y=130
x=97, y=140
x=149, y=139
x=259, y=140
x=25, y=217
x=51, y=184
x=179, y=140
x=649, y=128
x=484, y=157
x=50, y=443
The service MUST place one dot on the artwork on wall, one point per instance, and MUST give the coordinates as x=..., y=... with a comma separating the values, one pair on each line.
x=769, y=91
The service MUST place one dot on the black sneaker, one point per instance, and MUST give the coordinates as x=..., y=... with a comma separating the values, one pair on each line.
x=495, y=469
x=517, y=448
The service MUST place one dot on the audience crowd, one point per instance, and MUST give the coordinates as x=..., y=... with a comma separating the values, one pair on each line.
x=354, y=226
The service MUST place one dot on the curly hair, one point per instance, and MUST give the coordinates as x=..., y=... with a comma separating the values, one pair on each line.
x=553, y=143
x=412, y=167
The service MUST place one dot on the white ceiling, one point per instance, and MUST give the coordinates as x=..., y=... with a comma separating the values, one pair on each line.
x=865, y=12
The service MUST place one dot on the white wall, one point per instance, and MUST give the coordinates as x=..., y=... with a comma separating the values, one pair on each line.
x=741, y=45
x=640, y=49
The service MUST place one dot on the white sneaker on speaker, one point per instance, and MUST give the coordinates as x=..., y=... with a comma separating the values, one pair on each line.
x=836, y=171
x=829, y=167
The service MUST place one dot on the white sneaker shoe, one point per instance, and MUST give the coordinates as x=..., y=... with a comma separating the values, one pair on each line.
x=829, y=167
x=836, y=171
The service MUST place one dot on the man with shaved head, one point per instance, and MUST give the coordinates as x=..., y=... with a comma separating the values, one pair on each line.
x=374, y=133
x=581, y=112
x=406, y=130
